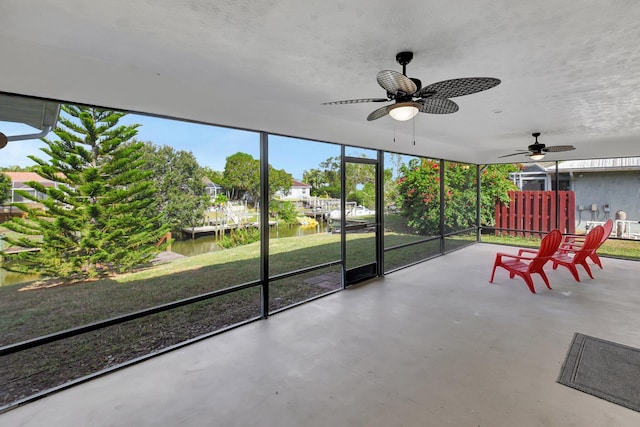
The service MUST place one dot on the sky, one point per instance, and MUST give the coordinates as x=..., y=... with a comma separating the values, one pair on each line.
x=211, y=145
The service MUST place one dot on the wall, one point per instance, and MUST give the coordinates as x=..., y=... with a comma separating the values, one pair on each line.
x=620, y=190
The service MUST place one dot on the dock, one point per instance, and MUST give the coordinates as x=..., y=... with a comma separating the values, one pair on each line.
x=318, y=215
x=207, y=230
x=18, y=250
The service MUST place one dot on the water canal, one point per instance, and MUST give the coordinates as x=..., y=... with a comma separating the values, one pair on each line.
x=206, y=244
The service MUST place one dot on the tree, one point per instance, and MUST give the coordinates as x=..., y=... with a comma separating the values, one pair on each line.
x=5, y=188
x=325, y=180
x=495, y=185
x=360, y=184
x=217, y=177
x=241, y=175
x=242, y=178
x=331, y=171
x=315, y=178
x=181, y=197
x=419, y=194
x=95, y=222
x=390, y=188
x=279, y=180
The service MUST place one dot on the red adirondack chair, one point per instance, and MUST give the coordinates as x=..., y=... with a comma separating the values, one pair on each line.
x=570, y=258
x=525, y=265
x=574, y=242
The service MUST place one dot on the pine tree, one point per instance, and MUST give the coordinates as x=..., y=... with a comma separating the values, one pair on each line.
x=5, y=188
x=93, y=222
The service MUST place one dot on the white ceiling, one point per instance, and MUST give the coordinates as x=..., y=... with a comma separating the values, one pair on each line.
x=570, y=70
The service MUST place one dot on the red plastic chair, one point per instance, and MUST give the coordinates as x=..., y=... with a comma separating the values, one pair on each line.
x=570, y=258
x=525, y=265
x=573, y=242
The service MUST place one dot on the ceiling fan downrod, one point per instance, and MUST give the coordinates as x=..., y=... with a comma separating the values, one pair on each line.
x=403, y=58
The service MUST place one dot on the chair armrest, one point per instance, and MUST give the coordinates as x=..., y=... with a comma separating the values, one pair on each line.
x=502, y=254
x=530, y=251
x=577, y=236
x=569, y=249
x=572, y=238
x=570, y=246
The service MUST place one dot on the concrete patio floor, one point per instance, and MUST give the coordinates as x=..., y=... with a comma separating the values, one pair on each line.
x=430, y=345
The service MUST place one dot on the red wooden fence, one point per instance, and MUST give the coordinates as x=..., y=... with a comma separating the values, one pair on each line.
x=535, y=211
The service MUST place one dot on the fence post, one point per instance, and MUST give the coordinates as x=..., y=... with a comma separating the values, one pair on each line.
x=553, y=209
x=519, y=213
x=571, y=212
x=562, y=208
x=535, y=212
x=498, y=217
x=512, y=212
x=545, y=212
x=528, y=199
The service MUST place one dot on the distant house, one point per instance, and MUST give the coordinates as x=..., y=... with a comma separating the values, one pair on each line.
x=298, y=190
x=211, y=188
x=536, y=177
x=604, y=187
x=19, y=182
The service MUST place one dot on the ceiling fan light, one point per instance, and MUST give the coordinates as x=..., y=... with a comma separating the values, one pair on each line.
x=404, y=111
x=536, y=157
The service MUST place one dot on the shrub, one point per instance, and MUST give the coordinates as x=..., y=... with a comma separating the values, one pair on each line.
x=285, y=211
x=239, y=237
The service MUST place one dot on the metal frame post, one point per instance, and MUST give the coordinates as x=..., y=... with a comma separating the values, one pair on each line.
x=442, y=164
x=478, y=205
x=557, y=181
x=380, y=214
x=343, y=215
x=264, y=223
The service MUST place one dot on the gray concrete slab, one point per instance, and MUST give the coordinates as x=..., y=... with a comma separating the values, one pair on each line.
x=430, y=345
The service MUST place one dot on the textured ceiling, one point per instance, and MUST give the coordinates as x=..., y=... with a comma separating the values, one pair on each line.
x=570, y=70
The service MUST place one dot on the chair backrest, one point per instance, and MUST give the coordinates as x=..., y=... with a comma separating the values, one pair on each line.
x=548, y=246
x=591, y=243
x=608, y=226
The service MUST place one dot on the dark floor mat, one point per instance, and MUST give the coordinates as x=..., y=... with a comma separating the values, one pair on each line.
x=604, y=369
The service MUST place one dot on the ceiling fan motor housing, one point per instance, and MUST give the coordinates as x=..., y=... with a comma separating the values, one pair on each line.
x=536, y=148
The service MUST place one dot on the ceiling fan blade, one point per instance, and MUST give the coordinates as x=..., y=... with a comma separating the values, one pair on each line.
x=356, y=101
x=393, y=81
x=558, y=148
x=513, y=154
x=457, y=87
x=380, y=112
x=438, y=106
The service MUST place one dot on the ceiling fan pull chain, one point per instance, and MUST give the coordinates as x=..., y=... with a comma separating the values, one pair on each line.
x=414, y=131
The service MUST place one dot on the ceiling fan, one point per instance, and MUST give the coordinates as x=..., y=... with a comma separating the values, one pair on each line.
x=410, y=97
x=537, y=150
